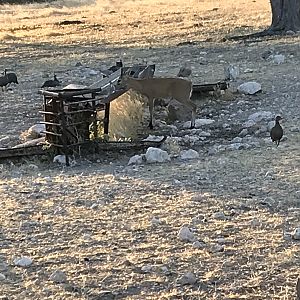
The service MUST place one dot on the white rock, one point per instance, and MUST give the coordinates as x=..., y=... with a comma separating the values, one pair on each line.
x=135, y=160
x=188, y=278
x=296, y=234
x=23, y=261
x=189, y=154
x=2, y=277
x=261, y=115
x=154, y=155
x=61, y=159
x=58, y=276
x=249, y=88
x=278, y=59
x=185, y=234
x=198, y=123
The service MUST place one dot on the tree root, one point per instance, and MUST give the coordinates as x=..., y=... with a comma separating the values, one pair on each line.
x=265, y=33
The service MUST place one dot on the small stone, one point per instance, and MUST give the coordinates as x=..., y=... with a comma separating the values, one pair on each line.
x=189, y=154
x=266, y=54
x=146, y=268
x=185, y=234
x=255, y=222
x=165, y=270
x=219, y=216
x=237, y=146
x=249, y=88
x=155, y=221
x=61, y=159
x=260, y=116
x=237, y=140
x=188, y=278
x=58, y=277
x=23, y=261
x=199, y=245
x=243, y=132
x=135, y=160
x=2, y=277
x=218, y=248
x=296, y=234
x=198, y=123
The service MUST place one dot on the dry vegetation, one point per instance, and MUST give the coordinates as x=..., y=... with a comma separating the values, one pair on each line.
x=93, y=221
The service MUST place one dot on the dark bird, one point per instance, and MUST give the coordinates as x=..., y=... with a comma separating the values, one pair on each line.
x=51, y=83
x=3, y=82
x=11, y=77
x=185, y=71
x=277, y=131
x=7, y=79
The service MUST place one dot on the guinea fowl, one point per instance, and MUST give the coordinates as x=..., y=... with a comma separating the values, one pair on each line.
x=51, y=83
x=277, y=131
x=185, y=71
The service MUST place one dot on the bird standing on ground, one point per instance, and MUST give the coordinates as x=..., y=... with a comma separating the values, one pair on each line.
x=51, y=83
x=185, y=71
x=11, y=77
x=277, y=131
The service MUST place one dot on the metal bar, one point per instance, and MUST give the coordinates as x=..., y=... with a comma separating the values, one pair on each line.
x=52, y=133
x=64, y=132
x=78, y=111
x=49, y=113
x=50, y=123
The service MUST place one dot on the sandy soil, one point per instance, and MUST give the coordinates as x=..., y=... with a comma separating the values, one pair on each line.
x=93, y=221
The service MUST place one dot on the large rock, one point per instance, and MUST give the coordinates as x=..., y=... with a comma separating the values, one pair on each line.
x=154, y=155
x=177, y=112
x=135, y=160
x=189, y=154
x=249, y=88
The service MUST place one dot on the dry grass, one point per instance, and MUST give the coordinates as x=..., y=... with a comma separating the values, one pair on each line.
x=132, y=23
x=47, y=212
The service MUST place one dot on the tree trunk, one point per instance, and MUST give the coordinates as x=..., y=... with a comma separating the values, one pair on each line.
x=285, y=15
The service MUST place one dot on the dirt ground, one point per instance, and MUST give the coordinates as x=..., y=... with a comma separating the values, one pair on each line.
x=94, y=221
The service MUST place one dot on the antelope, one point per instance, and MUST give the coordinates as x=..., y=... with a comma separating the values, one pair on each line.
x=152, y=88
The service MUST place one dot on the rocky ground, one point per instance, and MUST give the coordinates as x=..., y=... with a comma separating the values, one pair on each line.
x=220, y=226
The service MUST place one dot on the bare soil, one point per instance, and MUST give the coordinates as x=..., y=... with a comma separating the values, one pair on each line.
x=93, y=221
